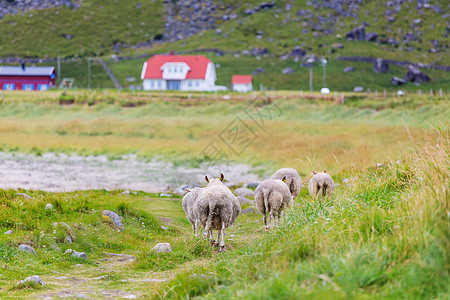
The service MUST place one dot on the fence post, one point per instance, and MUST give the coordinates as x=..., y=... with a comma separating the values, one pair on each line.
x=431, y=92
x=342, y=98
x=376, y=93
x=440, y=92
x=384, y=93
x=420, y=93
x=3, y=96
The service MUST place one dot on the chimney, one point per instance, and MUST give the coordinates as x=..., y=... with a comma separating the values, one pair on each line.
x=23, y=66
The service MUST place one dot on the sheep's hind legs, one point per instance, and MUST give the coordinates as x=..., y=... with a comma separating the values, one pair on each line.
x=222, y=240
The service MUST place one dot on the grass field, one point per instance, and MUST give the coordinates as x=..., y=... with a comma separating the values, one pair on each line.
x=384, y=234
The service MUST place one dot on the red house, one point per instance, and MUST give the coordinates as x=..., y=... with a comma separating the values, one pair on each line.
x=242, y=83
x=27, y=78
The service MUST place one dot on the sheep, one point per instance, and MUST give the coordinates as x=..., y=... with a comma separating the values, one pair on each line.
x=320, y=184
x=216, y=208
x=271, y=196
x=292, y=180
x=188, y=204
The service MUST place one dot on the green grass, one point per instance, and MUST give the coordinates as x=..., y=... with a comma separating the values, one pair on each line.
x=99, y=24
x=96, y=26
x=383, y=235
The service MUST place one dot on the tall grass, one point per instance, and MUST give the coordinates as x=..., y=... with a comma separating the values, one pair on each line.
x=384, y=236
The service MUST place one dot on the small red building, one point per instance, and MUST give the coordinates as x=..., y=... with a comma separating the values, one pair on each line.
x=27, y=78
x=242, y=83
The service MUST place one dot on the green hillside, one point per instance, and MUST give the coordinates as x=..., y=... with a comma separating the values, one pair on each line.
x=103, y=28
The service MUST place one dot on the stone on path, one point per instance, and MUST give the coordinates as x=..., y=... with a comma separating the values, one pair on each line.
x=115, y=218
x=27, y=248
x=35, y=279
x=162, y=248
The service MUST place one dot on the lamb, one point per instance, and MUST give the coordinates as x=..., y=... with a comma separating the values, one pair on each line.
x=216, y=208
x=271, y=196
x=320, y=184
x=292, y=180
x=188, y=204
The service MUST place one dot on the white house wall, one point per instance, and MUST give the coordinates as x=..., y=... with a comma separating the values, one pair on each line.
x=239, y=87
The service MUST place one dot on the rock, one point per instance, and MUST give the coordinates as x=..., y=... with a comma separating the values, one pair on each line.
x=35, y=279
x=357, y=34
x=244, y=200
x=49, y=207
x=358, y=89
x=416, y=76
x=410, y=37
x=250, y=12
x=126, y=192
x=81, y=255
x=267, y=5
x=23, y=195
x=397, y=81
x=348, y=69
x=69, y=239
x=162, y=248
x=392, y=41
x=218, y=31
x=252, y=184
x=297, y=51
x=288, y=70
x=9, y=232
x=129, y=297
x=164, y=227
x=372, y=36
x=68, y=251
x=244, y=192
x=337, y=46
x=258, y=70
x=165, y=195
x=101, y=277
x=67, y=36
x=248, y=210
x=115, y=218
x=27, y=248
x=379, y=165
x=81, y=296
x=380, y=66
x=391, y=19
x=259, y=51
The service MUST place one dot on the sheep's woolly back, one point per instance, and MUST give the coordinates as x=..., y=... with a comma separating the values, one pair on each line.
x=188, y=203
x=321, y=184
x=218, y=200
x=272, y=194
x=293, y=180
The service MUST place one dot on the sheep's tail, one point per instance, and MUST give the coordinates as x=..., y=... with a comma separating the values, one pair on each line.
x=266, y=193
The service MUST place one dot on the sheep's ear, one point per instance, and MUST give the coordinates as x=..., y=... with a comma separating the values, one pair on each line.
x=206, y=178
x=284, y=178
x=187, y=190
x=221, y=176
x=324, y=171
x=314, y=173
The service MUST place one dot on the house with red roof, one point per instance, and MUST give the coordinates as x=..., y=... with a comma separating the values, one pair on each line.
x=27, y=78
x=242, y=83
x=179, y=72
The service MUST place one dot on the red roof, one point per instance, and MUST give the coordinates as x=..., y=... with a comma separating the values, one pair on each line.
x=241, y=79
x=197, y=63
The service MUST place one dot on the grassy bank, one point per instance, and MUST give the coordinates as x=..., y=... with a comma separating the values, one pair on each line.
x=382, y=235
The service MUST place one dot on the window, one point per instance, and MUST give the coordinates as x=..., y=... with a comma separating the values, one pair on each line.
x=28, y=86
x=152, y=84
x=42, y=87
x=189, y=82
x=170, y=70
x=9, y=86
x=159, y=83
x=175, y=69
x=197, y=83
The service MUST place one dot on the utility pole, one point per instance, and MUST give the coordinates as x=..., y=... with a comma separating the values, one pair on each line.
x=324, y=64
x=59, y=71
x=311, y=79
x=89, y=73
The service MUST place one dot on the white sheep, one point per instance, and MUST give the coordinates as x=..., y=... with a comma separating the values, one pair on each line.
x=188, y=204
x=320, y=184
x=272, y=196
x=216, y=208
x=293, y=180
